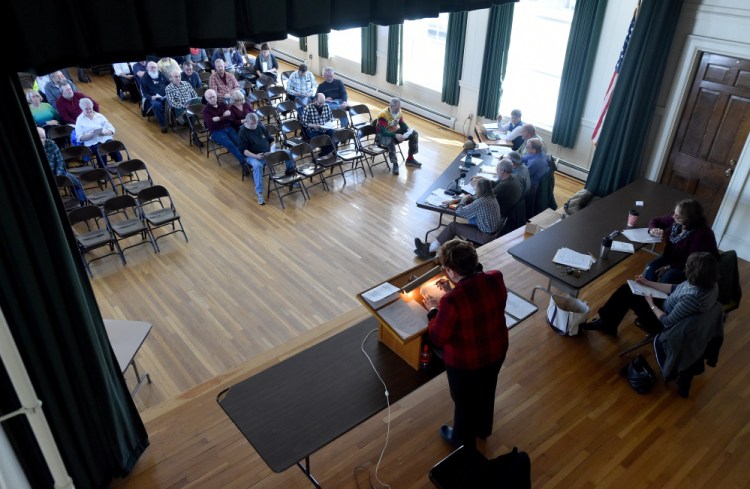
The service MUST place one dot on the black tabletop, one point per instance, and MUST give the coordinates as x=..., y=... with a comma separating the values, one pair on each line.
x=584, y=230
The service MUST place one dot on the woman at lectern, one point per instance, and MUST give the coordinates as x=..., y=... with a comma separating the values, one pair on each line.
x=467, y=327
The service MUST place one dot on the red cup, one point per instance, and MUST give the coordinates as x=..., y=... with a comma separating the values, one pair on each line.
x=633, y=218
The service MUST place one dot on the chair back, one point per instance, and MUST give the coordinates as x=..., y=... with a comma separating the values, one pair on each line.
x=292, y=132
x=287, y=109
x=267, y=114
x=339, y=115
x=107, y=148
x=95, y=178
x=730, y=292
x=258, y=98
x=204, y=76
x=60, y=135
x=77, y=157
x=274, y=132
x=285, y=77
x=153, y=193
x=359, y=115
x=84, y=214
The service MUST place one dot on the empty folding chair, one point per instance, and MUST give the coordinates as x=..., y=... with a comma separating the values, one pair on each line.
x=109, y=152
x=292, y=133
x=267, y=114
x=60, y=135
x=324, y=154
x=92, y=232
x=359, y=116
x=371, y=148
x=134, y=176
x=305, y=163
x=67, y=189
x=97, y=185
x=158, y=210
x=78, y=159
x=126, y=220
x=279, y=178
x=287, y=110
x=348, y=150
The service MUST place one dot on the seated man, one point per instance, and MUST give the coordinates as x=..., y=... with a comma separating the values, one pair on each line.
x=508, y=189
x=484, y=210
x=68, y=104
x=189, y=75
x=218, y=120
x=223, y=82
x=255, y=142
x=266, y=63
x=179, y=93
x=528, y=131
x=52, y=90
x=520, y=171
x=301, y=83
x=333, y=89
x=57, y=164
x=513, y=127
x=124, y=73
x=536, y=161
x=154, y=86
x=392, y=130
x=316, y=116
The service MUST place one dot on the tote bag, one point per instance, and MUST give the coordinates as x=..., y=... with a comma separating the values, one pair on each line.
x=566, y=313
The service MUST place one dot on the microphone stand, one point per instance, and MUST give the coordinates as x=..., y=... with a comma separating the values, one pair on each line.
x=456, y=188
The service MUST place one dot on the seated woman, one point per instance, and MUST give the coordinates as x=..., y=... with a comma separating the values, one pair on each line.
x=43, y=113
x=483, y=214
x=687, y=232
x=239, y=108
x=697, y=294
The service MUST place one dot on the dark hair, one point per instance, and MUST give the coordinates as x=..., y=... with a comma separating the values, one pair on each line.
x=264, y=47
x=702, y=269
x=460, y=256
x=692, y=213
x=302, y=67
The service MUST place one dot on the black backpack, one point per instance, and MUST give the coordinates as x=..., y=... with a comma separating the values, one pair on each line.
x=640, y=375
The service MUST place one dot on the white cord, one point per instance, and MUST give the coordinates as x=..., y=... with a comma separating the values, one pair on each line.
x=388, y=403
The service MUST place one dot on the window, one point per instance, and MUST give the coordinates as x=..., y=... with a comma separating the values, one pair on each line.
x=424, y=51
x=536, y=57
x=346, y=44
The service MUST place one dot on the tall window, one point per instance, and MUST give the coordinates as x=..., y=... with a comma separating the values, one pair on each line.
x=424, y=51
x=536, y=57
x=346, y=44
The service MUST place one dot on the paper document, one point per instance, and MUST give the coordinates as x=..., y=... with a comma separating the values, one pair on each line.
x=640, y=235
x=406, y=318
x=640, y=289
x=435, y=200
x=469, y=189
x=488, y=169
x=380, y=292
x=97, y=132
x=407, y=134
x=571, y=258
x=477, y=161
x=623, y=247
x=488, y=176
x=491, y=125
x=483, y=146
x=330, y=125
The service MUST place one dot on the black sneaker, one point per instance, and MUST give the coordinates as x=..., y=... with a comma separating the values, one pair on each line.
x=395, y=169
x=413, y=162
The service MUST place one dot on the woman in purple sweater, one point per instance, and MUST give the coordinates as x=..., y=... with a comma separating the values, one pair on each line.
x=687, y=232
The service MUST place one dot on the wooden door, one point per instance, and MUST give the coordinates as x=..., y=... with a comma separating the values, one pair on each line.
x=713, y=129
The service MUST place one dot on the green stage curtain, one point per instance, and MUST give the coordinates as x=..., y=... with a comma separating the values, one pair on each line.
x=454, y=57
x=617, y=158
x=394, y=72
x=584, y=36
x=323, y=45
x=369, y=49
x=495, y=60
x=52, y=313
x=303, y=43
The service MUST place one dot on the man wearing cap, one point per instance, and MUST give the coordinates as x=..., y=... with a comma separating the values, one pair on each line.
x=512, y=127
x=520, y=171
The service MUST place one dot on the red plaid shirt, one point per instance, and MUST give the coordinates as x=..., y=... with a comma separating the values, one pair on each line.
x=470, y=323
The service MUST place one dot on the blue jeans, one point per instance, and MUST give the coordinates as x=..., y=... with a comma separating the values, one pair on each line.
x=257, y=166
x=228, y=138
x=671, y=276
x=158, y=106
x=336, y=104
x=103, y=164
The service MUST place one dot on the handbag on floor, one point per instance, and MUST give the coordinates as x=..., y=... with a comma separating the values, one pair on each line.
x=641, y=376
x=565, y=314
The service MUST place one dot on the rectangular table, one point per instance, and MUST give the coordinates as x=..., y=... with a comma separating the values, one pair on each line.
x=126, y=338
x=290, y=410
x=584, y=230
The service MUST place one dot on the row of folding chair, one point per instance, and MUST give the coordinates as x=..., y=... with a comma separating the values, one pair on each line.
x=121, y=217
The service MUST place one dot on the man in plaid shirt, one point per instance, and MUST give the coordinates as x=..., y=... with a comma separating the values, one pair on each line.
x=301, y=83
x=179, y=93
x=316, y=115
x=467, y=326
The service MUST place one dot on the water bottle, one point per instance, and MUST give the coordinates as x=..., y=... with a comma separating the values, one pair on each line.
x=606, y=246
x=425, y=357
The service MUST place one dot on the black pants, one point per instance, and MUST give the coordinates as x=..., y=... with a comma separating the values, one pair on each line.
x=622, y=300
x=473, y=394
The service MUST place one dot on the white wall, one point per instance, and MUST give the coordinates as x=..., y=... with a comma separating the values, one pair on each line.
x=714, y=25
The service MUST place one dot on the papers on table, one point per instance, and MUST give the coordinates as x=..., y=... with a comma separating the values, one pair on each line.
x=488, y=176
x=490, y=125
x=640, y=289
x=500, y=151
x=488, y=169
x=571, y=258
x=477, y=161
x=640, y=235
x=469, y=189
x=381, y=294
x=483, y=146
x=437, y=198
x=623, y=247
x=407, y=318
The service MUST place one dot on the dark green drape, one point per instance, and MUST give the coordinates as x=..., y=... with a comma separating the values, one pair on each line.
x=323, y=45
x=394, y=72
x=455, y=40
x=617, y=158
x=584, y=37
x=303, y=44
x=495, y=60
x=52, y=313
x=369, y=49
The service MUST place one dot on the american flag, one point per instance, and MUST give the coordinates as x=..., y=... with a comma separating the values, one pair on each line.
x=611, y=87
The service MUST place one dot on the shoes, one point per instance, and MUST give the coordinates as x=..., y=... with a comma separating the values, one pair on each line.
x=446, y=432
x=121, y=94
x=261, y=200
x=295, y=185
x=395, y=169
x=164, y=129
x=599, y=325
x=413, y=162
x=423, y=249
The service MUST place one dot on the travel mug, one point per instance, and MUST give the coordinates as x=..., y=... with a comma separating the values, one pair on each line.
x=633, y=218
x=606, y=246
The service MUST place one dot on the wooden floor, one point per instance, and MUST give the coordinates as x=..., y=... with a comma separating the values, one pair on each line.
x=257, y=284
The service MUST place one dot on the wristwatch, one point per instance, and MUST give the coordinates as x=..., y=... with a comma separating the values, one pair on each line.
x=653, y=307
x=432, y=313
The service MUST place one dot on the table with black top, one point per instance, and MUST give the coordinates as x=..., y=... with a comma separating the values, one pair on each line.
x=292, y=409
x=448, y=180
x=584, y=230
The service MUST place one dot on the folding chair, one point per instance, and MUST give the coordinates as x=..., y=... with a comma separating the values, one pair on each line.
x=97, y=185
x=348, y=150
x=91, y=230
x=280, y=178
x=126, y=219
x=306, y=165
x=330, y=160
x=152, y=202
x=134, y=176
x=368, y=145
